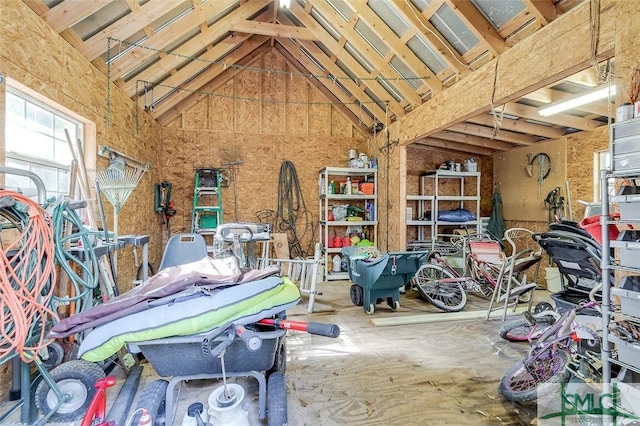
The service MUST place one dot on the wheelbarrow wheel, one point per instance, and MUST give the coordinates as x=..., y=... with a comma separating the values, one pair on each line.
x=357, y=295
x=280, y=361
x=54, y=355
x=276, y=400
x=393, y=304
x=76, y=379
x=153, y=399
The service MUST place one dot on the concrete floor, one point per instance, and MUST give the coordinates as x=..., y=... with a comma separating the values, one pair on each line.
x=436, y=373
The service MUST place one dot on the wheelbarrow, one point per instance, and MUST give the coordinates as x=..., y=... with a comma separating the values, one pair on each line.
x=378, y=276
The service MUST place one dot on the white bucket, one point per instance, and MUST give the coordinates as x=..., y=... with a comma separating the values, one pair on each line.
x=554, y=281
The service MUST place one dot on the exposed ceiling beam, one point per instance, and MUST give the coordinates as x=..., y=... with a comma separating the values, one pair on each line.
x=194, y=45
x=565, y=120
x=192, y=73
x=273, y=30
x=488, y=132
x=428, y=31
x=346, y=30
x=125, y=27
x=473, y=140
x=517, y=74
x=520, y=126
x=368, y=79
x=216, y=79
x=544, y=10
x=397, y=46
x=441, y=144
x=550, y=95
x=479, y=25
x=65, y=14
x=174, y=31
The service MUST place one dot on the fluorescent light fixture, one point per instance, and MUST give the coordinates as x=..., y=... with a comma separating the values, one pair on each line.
x=595, y=94
x=285, y=3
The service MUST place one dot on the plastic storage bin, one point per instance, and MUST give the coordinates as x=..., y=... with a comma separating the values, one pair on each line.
x=592, y=225
x=628, y=352
x=629, y=293
x=628, y=199
x=628, y=242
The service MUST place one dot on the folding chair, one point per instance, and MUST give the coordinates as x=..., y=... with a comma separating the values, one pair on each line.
x=183, y=248
x=512, y=283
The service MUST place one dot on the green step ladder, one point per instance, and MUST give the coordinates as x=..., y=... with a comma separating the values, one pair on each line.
x=207, y=204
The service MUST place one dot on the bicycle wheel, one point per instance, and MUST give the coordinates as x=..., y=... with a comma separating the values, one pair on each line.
x=520, y=330
x=543, y=366
x=449, y=297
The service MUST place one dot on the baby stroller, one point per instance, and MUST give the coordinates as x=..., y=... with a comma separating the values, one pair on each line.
x=577, y=255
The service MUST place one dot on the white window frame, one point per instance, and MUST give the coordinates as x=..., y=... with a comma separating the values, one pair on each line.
x=85, y=134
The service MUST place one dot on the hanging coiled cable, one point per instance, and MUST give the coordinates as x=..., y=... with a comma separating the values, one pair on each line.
x=292, y=209
x=27, y=277
x=81, y=264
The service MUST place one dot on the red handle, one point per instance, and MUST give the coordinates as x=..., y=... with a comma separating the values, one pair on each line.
x=328, y=330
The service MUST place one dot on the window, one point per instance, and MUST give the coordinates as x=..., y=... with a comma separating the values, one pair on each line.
x=36, y=141
x=601, y=160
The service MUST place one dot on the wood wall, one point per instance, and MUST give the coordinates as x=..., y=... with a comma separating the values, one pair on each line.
x=32, y=54
x=262, y=121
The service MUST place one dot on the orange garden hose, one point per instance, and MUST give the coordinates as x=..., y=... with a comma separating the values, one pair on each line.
x=26, y=279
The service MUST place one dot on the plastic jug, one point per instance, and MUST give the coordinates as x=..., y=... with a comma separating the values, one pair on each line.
x=336, y=263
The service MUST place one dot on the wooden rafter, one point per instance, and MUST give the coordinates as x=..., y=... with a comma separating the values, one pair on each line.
x=397, y=46
x=421, y=25
x=194, y=45
x=65, y=14
x=520, y=126
x=214, y=84
x=359, y=124
x=479, y=25
x=273, y=30
x=473, y=140
x=125, y=27
x=565, y=120
x=348, y=60
x=206, y=74
x=346, y=100
x=435, y=143
x=347, y=30
x=176, y=30
x=544, y=10
x=488, y=132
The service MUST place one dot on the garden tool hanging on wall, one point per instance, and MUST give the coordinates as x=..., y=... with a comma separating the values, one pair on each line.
x=553, y=203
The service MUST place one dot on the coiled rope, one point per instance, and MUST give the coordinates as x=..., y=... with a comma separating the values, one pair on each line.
x=27, y=277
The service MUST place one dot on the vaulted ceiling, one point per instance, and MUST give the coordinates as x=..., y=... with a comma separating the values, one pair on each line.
x=377, y=59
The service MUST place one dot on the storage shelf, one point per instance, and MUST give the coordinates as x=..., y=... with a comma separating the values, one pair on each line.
x=328, y=200
x=431, y=195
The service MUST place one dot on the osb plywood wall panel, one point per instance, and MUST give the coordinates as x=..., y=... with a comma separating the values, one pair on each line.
x=522, y=195
x=32, y=54
x=421, y=160
x=581, y=149
x=276, y=118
